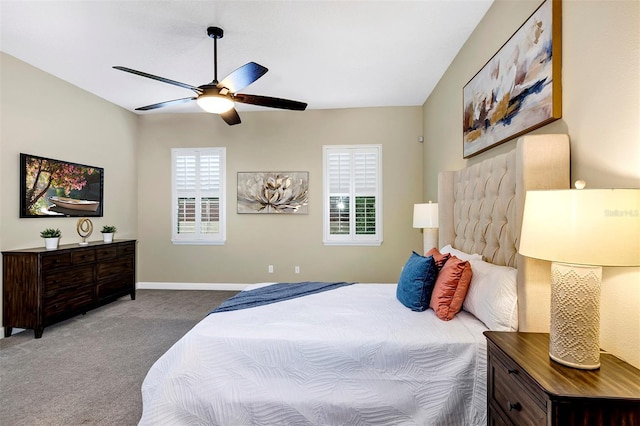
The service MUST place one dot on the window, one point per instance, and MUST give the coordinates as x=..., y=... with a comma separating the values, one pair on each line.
x=198, y=196
x=352, y=194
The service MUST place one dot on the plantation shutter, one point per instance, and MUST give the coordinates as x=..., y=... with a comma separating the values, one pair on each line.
x=185, y=182
x=209, y=193
x=339, y=164
x=352, y=194
x=366, y=188
x=198, y=193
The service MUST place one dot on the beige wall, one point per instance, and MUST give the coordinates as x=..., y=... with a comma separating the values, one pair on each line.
x=279, y=141
x=44, y=116
x=601, y=114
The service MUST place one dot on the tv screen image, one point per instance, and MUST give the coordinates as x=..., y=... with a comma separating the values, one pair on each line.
x=55, y=188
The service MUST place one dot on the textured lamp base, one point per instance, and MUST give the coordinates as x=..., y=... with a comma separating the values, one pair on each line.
x=429, y=239
x=574, y=338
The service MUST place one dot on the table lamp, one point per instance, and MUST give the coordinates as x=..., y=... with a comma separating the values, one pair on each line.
x=425, y=216
x=580, y=231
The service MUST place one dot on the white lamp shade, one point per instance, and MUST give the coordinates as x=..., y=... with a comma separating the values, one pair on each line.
x=425, y=215
x=587, y=226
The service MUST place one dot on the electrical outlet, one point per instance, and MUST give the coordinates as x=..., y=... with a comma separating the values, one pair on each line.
x=297, y=269
x=270, y=269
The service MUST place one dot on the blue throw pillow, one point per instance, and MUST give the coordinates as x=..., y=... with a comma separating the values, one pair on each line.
x=416, y=282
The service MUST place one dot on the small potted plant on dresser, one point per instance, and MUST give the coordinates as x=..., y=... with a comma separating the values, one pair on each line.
x=107, y=233
x=51, y=237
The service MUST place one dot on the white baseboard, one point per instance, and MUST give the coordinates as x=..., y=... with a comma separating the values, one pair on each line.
x=190, y=286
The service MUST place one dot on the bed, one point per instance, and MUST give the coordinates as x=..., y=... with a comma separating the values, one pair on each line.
x=356, y=355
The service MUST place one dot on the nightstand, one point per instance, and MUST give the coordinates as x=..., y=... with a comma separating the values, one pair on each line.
x=524, y=386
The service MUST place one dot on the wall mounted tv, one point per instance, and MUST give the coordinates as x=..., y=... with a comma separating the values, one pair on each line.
x=55, y=188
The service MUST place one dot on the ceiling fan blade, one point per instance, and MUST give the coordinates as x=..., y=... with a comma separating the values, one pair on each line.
x=231, y=117
x=162, y=79
x=242, y=77
x=165, y=103
x=268, y=101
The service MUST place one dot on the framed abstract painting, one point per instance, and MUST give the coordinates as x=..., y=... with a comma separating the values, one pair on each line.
x=520, y=88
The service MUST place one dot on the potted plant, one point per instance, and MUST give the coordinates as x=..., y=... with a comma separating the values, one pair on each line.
x=107, y=233
x=51, y=237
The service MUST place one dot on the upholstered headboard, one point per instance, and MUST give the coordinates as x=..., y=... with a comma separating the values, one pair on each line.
x=480, y=211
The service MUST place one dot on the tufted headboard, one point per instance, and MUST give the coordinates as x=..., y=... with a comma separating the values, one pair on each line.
x=480, y=211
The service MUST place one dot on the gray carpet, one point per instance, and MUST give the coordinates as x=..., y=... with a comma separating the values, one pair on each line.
x=88, y=370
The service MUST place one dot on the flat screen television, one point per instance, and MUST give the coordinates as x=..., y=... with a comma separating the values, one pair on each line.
x=55, y=188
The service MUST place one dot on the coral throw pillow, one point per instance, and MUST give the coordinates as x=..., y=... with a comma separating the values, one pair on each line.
x=439, y=258
x=451, y=288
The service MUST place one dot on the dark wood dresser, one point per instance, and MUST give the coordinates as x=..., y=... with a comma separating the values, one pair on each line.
x=41, y=287
x=525, y=387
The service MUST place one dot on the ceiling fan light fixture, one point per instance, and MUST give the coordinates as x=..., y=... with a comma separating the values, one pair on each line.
x=214, y=103
x=219, y=97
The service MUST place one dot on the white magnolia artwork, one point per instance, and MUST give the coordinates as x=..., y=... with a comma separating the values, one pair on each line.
x=273, y=192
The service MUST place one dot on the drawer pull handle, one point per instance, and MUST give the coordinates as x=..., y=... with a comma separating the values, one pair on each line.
x=512, y=371
x=514, y=406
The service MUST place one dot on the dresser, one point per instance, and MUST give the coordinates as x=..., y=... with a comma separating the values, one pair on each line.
x=41, y=287
x=525, y=387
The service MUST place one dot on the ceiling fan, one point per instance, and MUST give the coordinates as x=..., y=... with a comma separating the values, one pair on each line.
x=219, y=97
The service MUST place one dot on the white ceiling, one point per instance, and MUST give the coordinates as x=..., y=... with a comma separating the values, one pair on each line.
x=330, y=54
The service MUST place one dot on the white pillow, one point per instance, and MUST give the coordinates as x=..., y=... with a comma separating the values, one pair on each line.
x=459, y=254
x=493, y=295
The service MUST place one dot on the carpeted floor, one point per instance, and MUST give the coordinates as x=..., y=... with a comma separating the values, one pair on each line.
x=88, y=370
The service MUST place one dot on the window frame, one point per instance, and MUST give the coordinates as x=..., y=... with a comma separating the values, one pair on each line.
x=352, y=238
x=199, y=238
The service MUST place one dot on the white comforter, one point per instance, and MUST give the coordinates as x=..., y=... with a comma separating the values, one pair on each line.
x=349, y=356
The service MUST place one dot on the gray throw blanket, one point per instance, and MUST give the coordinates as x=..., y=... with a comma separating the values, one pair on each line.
x=274, y=293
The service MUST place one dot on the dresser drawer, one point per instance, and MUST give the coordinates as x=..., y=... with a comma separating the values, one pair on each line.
x=104, y=253
x=55, y=281
x=71, y=300
x=494, y=417
x=126, y=250
x=122, y=285
x=83, y=256
x=513, y=393
x=55, y=260
x=113, y=268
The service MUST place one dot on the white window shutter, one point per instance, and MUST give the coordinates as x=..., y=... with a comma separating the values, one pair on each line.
x=198, y=194
x=352, y=195
x=339, y=170
x=185, y=180
x=365, y=173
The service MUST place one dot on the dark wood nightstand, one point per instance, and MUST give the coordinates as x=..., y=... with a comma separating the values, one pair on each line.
x=524, y=386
